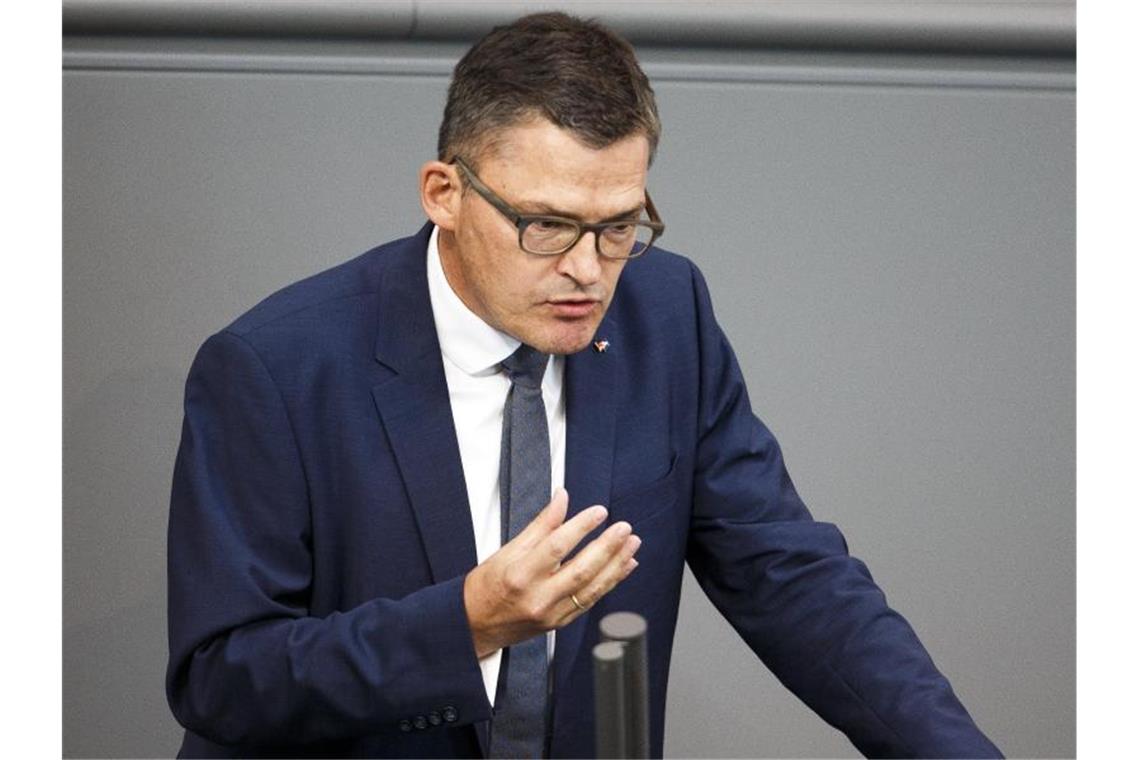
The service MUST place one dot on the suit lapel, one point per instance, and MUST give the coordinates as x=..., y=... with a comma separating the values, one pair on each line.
x=590, y=423
x=416, y=411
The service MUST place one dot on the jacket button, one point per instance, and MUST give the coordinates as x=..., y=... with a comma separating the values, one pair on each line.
x=450, y=714
x=420, y=722
x=405, y=725
x=434, y=718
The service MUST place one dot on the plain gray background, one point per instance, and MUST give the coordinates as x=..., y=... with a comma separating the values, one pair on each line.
x=887, y=232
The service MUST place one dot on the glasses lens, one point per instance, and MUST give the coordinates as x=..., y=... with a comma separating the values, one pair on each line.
x=543, y=236
x=625, y=240
x=617, y=241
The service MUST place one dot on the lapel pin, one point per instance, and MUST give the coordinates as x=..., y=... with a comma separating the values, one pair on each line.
x=600, y=346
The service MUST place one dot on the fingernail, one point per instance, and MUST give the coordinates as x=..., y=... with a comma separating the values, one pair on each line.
x=635, y=543
x=623, y=529
x=600, y=513
x=633, y=564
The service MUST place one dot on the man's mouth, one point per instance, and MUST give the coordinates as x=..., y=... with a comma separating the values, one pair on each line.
x=574, y=308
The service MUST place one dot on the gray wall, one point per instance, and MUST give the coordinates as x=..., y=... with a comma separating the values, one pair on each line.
x=885, y=216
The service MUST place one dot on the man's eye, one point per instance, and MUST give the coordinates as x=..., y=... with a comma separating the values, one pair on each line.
x=619, y=231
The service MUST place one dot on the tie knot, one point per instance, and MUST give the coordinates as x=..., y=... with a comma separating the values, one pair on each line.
x=526, y=366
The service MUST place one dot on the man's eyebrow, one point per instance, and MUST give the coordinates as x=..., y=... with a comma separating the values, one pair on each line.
x=545, y=209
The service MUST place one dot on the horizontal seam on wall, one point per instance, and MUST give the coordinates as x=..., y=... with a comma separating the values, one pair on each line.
x=658, y=73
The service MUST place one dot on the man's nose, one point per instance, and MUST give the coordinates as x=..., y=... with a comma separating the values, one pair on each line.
x=581, y=263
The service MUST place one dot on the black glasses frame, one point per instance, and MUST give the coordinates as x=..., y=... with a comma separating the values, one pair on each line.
x=522, y=221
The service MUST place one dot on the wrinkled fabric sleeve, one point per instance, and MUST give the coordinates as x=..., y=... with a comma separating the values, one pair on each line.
x=249, y=665
x=788, y=586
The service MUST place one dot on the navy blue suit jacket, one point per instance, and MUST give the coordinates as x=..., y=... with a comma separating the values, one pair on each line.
x=320, y=531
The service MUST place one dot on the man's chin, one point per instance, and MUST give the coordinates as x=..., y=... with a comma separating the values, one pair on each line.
x=568, y=339
x=561, y=347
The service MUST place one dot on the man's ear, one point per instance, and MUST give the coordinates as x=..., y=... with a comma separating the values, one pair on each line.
x=440, y=193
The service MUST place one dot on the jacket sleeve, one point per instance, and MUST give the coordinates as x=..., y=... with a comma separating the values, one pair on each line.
x=249, y=665
x=787, y=585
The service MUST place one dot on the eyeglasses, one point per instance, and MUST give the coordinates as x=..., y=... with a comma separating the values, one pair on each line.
x=546, y=235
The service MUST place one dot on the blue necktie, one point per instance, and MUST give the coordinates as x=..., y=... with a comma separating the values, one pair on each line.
x=519, y=726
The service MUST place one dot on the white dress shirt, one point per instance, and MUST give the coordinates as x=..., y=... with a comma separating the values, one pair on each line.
x=472, y=351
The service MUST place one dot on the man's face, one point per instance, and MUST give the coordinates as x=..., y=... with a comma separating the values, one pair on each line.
x=553, y=303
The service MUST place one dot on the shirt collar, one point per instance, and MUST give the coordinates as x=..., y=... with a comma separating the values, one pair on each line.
x=464, y=338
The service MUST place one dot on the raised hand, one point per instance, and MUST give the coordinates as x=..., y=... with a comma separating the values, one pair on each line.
x=523, y=589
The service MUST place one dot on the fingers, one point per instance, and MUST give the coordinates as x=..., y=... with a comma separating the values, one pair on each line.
x=532, y=585
x=596, y=570
x=546, y=555
x=546, y=521
x=619, y=568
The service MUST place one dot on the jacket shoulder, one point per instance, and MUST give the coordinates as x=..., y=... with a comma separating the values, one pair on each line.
x=658, y=287
x=359, y=277
x=660, y=270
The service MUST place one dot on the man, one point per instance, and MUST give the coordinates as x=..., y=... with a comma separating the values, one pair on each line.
x=410, y=486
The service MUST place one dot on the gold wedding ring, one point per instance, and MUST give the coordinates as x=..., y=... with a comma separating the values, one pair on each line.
x=577, y=603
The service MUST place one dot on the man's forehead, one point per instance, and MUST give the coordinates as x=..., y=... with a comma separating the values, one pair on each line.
x=539, y=142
